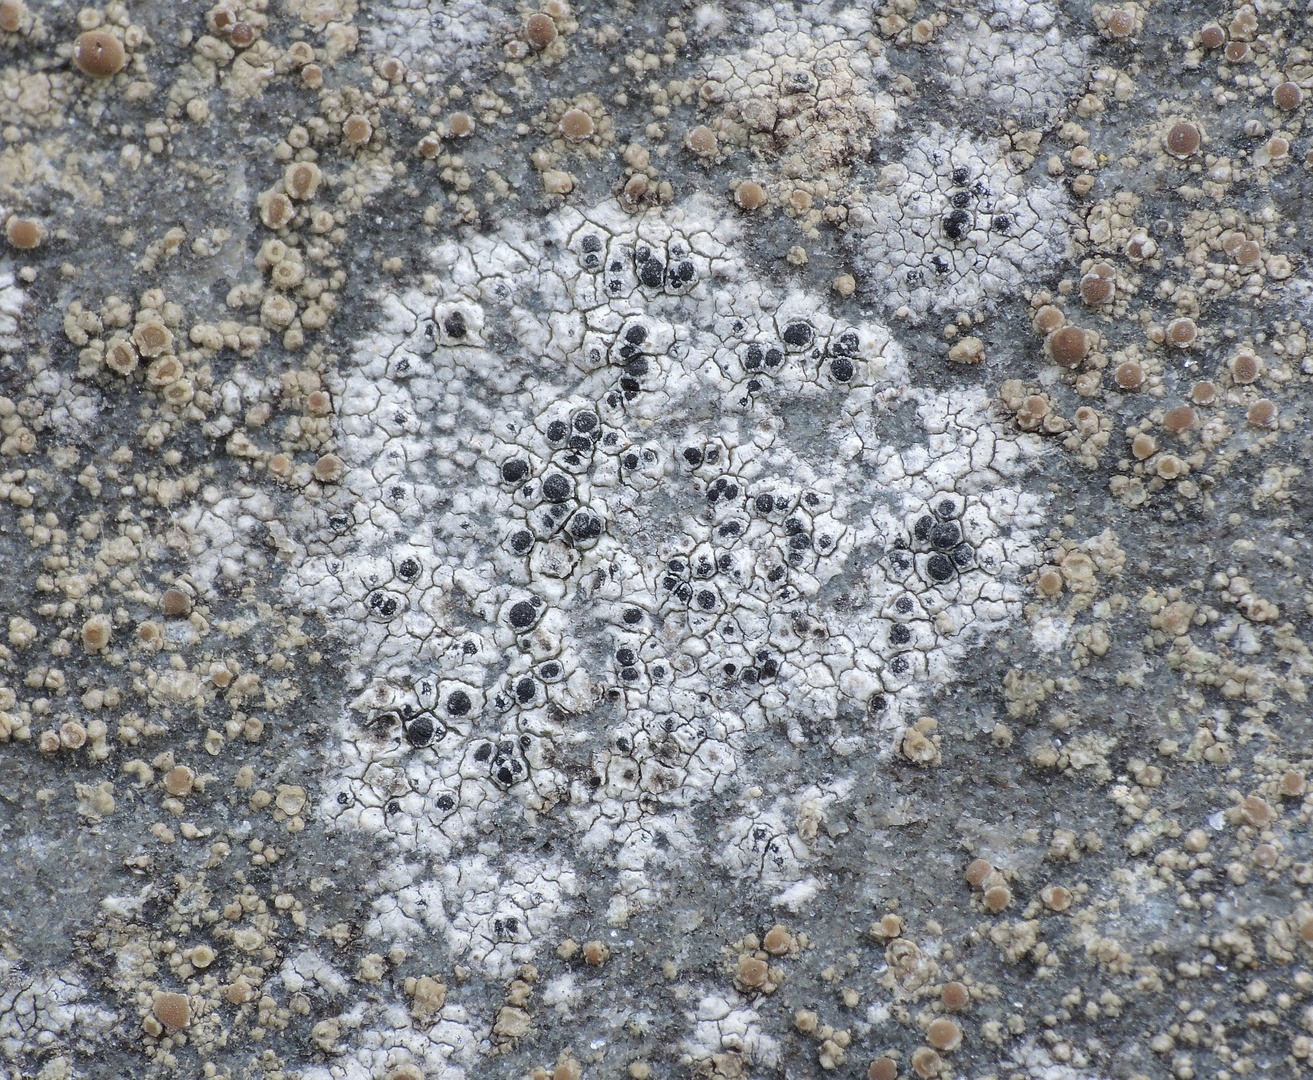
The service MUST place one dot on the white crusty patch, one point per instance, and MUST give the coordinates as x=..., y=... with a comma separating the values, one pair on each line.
x=1011, y=56
x=604, y=485
x=953, y=225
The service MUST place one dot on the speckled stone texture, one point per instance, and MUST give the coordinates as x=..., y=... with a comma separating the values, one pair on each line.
x=728, y=540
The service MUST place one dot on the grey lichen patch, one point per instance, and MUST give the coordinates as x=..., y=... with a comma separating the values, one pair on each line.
x=704, y=569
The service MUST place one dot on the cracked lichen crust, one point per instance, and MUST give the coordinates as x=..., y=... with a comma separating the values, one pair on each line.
x=955, y=224
x=1011, y=58
x=606, y=490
